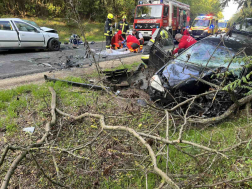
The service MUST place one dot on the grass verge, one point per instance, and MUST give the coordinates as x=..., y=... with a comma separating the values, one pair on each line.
x=29, y=106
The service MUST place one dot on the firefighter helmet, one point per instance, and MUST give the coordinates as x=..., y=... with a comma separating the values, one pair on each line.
x=124, y=17
x=110, y=16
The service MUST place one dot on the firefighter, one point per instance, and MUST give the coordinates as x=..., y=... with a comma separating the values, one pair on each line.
x=164, y=34
x=108, y=30
x=139, y=36
x=124, y=27
x=147, y=50
x=184, y=42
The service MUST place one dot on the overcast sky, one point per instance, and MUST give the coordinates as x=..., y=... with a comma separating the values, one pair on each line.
x=230, y=10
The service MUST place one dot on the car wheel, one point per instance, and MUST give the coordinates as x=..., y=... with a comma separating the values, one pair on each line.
x=54, y=45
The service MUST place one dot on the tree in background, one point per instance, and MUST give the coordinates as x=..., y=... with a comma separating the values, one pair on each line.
x=204, y=7
x=241, y=3
x=244, y=12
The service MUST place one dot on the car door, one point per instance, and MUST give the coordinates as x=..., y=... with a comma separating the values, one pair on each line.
x=8, y=36
x=29, y=35
x=160, y=53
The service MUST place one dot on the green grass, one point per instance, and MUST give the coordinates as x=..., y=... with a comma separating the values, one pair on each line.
x=93, y=30
x=18, y=104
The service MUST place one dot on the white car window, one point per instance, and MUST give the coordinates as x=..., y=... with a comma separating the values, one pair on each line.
x=5, y=25
x=25, y=27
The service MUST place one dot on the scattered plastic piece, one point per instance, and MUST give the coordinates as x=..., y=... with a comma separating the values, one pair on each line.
x=29, y=129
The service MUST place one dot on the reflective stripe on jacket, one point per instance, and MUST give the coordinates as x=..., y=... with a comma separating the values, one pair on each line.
x=108, y=28
x=123, y=26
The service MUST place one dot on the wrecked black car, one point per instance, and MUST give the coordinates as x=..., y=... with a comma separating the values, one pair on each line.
x=189, y=73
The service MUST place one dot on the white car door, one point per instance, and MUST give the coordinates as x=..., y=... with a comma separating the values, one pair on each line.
x=8, y=36
x=29, y=35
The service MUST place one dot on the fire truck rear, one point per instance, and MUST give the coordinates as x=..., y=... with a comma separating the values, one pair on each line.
x=170, y=14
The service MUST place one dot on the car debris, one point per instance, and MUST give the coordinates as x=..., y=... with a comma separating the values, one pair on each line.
x=29, y=129
x=46, y=64
x=76, y=84
x=142, y=102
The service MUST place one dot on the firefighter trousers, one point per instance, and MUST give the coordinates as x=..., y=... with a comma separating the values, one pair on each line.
x=108, y=41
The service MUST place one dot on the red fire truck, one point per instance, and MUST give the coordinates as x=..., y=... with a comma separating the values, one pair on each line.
x=170, y=14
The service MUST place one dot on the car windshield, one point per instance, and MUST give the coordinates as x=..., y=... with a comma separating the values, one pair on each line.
x=200, y=53
x=32, y=23
x=149, y=11
x=201, y=23
x=222, y=25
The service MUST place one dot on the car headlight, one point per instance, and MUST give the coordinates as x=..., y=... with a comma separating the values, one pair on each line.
x=155, y=82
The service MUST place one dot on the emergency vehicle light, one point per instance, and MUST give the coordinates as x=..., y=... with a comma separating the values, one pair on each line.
x=140, y=2
x=212, y=26
x=161, y=1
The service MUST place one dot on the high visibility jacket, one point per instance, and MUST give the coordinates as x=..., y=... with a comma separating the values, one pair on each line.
x=164, y=34
x=123, y=26
x=185, y=42
x=108, y=28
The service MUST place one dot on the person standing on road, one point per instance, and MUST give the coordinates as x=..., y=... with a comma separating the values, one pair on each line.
x=108, y=30
x=184, y=42
x=124, y=27
x=139, y=36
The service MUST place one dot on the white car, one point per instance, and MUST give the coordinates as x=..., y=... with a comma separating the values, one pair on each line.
x=16, y=33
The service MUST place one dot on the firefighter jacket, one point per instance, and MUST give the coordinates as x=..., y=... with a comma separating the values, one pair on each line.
x=123, y=26
x=108, y=28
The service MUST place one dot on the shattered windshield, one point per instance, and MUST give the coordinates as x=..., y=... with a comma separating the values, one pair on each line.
x=222, y=25
x=149, y=11
x=201, y=23
x=200, y=53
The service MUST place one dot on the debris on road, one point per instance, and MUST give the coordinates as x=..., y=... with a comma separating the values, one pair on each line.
x=46, y=64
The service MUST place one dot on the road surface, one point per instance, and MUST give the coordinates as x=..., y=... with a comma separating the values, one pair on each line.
x=24, y=62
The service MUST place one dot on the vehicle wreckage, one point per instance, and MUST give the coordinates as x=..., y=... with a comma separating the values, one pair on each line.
x=202, y=70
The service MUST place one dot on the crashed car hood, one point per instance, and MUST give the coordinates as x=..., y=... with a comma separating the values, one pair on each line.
x=176, y=72
x=48, y=29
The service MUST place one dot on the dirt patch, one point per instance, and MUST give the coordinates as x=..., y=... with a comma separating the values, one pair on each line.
x=39, y=78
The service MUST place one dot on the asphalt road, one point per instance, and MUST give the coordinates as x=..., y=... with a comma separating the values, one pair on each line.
x=25, y=62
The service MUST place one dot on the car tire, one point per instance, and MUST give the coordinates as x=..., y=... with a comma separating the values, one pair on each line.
x=54, y=45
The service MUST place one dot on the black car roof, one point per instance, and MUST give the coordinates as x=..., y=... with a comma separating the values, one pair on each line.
x=237, y=41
